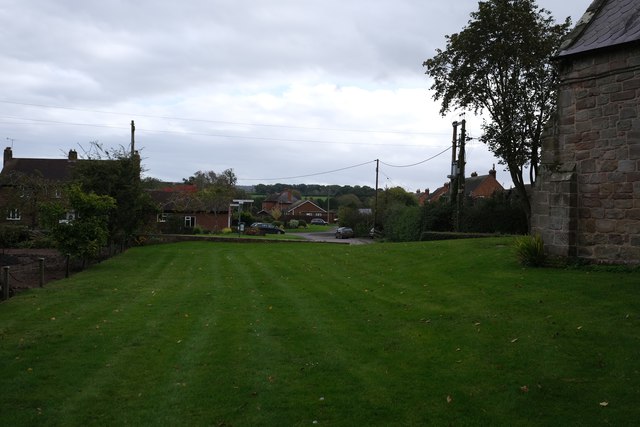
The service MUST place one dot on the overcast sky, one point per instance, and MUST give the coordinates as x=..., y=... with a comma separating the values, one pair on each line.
x=278, y=90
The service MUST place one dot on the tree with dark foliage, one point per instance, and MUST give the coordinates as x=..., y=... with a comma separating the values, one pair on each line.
x=501, y=64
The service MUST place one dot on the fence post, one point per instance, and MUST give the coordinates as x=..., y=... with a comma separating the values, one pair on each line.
x=41, y=265
x=66, y=275
x=5, y=283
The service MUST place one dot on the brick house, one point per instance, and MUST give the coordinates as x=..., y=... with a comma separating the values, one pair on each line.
x=281, y=201
x=586, y=201
x=27, y=182
x=475, y=187
x=179, y=207
x=292, y=207
x=305, y=208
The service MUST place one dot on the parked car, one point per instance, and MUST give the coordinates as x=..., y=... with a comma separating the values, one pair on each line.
x=344, y=233
x=266, y=228
x=319, y=221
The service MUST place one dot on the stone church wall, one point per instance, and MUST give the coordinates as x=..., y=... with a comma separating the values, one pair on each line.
x=586, y=202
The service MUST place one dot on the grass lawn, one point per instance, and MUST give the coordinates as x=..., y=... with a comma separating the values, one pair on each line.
x=433, y=333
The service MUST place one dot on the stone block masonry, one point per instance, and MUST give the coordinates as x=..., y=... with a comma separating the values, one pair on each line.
x=586, y=201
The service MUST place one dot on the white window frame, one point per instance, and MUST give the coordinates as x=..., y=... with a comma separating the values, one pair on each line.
x=162, y=217
x=14, y=215
x=189, y=221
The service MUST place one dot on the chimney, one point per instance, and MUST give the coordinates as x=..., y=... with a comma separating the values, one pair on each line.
x=492, y=172
x=73, y=155
x=474, y=174
x=8, y=155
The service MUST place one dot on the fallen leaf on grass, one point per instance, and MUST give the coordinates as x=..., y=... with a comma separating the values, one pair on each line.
x=449, y=399
x=524, y=389
x=514, y=340
x=604, y=403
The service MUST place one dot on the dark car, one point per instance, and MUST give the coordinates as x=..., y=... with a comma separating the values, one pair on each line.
x=266, y=228
x=319, y=221
x=344, y=233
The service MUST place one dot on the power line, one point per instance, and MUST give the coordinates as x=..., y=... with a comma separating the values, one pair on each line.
x=416, y=164
x=262, y=138
x=345, y=168
x=306, y=176
x=59, y=107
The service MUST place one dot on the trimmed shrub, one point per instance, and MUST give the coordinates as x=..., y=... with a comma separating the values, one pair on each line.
x=294, y=223
x=437, y=216
x=403, y=224
x=499, y=213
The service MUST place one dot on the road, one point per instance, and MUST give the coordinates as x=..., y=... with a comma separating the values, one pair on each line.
x=329, y=237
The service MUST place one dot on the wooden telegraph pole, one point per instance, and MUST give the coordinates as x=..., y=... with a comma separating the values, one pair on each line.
x=375, y=207
x=461, y=162
x=454, y=163
x=133, y=138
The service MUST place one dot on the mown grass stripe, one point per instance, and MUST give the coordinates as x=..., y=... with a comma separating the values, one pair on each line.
x=215, y=333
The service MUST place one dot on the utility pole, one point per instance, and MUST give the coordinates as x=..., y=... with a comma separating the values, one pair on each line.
x=454, y=163
x=375, y=208
x=133, y=139
x=461, y=163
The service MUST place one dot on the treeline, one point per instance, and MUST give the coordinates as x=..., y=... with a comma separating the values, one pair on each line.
x=316, y=190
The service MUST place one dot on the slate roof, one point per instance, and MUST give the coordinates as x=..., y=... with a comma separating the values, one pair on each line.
x=284, y=197
x=606, y=23
x=50, y=169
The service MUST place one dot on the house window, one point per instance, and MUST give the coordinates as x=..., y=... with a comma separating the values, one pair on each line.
x=14, y=215
x=163, y=217
x=68, y=217
x=189, y=221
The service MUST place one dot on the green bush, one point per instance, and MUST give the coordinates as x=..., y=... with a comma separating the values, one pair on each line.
x=500, y=213
x=437, y=216
x=403, y=224
x=13, y=235
x=294, y=223
x=302, y=223
x=530, y=250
